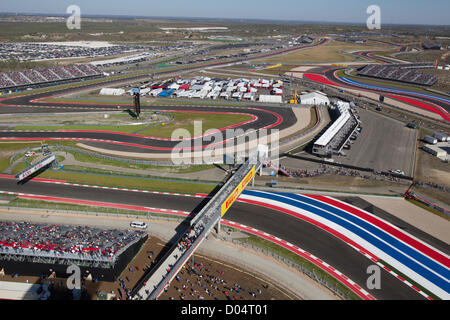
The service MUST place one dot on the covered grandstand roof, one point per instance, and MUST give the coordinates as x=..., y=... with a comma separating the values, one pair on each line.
x=64, y=241
x=326, y=138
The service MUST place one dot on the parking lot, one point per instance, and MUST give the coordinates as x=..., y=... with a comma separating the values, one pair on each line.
x=384, y=144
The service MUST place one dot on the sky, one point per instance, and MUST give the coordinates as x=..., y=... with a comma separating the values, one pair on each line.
x=433, y=12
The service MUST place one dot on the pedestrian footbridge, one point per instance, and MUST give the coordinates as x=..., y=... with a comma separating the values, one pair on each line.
x=153, y=284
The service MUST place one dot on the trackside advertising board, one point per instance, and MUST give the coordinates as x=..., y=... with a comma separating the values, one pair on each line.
x=237, y=192
x=22, y=175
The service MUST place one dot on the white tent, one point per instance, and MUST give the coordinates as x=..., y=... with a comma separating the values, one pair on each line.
x=225, y=95
x=111, y=92
x=250, y=96
x=155, y=92
x=145, y=91
x=270, y=99
x=314, y=98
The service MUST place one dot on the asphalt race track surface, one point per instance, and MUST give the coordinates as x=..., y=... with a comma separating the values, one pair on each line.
x=298, y=232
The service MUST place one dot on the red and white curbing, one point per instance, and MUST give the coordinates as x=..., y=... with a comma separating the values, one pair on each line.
x=62, y=182
x=306, y=255
x=324, y=266
x=409, y=284
x=248, y=229
x=97, y=203
x=348, y=241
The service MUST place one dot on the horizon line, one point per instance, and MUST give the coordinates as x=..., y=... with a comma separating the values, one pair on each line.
x=123, y=16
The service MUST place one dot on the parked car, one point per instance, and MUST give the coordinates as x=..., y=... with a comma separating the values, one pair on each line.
x=138, y=225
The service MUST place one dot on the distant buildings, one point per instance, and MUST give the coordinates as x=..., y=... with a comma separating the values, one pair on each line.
x=431, y=46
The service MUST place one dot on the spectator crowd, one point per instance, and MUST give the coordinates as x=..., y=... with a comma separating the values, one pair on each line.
x=404, y=73
x=38, y=76
x=198, y=281
x=325, y=169
x=64, y=239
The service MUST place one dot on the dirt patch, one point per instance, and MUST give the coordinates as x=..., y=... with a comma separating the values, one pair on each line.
x=206, y=279
x=331, y=52
x=432, y=169
x=414, y=215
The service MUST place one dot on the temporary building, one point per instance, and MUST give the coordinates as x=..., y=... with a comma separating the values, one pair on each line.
x=441, y=137
x=278, y=92
x=174, y=86
x=250, y=96
x=111, y=92
x=270, y=99
x=226, y=95
x=156, y=92
x=145, y=91
x=178, y=93
x=197, y=87
x=314, y=98
x=237, y=95
x=166, y=93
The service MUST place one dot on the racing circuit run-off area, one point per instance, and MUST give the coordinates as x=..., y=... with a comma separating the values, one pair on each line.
x=241, y=164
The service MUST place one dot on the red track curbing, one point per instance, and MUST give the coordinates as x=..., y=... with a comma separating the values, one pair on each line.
x=415, y=102
x=306, y=255
x=351, y=243
x=384, y=226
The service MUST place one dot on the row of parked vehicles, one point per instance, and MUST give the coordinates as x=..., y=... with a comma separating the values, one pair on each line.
x=348, y=145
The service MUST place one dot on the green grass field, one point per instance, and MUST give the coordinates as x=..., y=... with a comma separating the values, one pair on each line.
x=39, y=204
x=123, y=182
x=186, y=121
x=181, y=120
x=9, y=149
x=120, y=128
x=91, y=160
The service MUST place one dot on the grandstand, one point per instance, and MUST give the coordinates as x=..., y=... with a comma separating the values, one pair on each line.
x=34, y=249
x=336, y=136
x=49, y=76
x=401, y=72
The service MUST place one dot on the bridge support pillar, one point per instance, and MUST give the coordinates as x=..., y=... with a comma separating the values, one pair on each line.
x=218, y=227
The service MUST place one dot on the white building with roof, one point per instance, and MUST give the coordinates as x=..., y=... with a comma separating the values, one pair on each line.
x=314, y=98
x=345, y=123
x=270, y=99
x=112, y=92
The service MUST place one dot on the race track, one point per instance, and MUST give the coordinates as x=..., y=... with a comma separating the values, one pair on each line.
x=306, y=234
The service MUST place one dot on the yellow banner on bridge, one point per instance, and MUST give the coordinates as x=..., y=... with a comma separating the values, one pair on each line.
x=237, y=192
x=275, y=66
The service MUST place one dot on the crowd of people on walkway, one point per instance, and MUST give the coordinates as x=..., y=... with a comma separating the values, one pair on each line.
x=325, y=169
x=432, y=186
x=189, y=238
